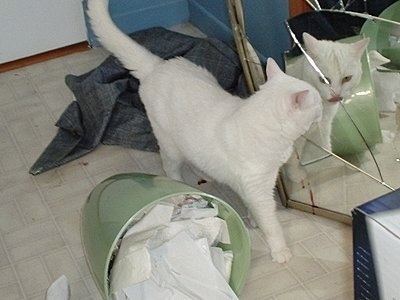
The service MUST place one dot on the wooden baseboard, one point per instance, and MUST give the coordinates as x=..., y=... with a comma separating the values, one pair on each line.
x=23, y=62
x=298, y=7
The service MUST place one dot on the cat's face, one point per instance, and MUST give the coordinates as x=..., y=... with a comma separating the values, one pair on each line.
x=296, y=106
x=339, y=62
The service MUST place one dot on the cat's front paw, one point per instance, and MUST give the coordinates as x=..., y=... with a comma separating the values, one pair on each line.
x=282, y=255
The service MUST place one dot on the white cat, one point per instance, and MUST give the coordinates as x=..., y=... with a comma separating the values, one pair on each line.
x=386, y=83
x=341, y=65
x=242, y=143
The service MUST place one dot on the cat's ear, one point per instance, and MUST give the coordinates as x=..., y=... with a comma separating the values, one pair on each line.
x=309, y=41
x=377, y=59
x=272, y=68
x=359, y=47
x=297, y=99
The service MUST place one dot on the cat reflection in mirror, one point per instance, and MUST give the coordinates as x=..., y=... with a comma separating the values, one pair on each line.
x=241, y=143
x=386, y=82
x=340, y=63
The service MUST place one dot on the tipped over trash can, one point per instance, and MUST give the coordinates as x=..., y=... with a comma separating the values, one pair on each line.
x=117, y=204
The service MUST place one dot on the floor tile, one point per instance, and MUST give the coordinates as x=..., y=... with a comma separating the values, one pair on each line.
x=298, y=293
x=33, y=276
x=10, y=218
x=32, y=207
x=7, y=276
x=303, y=265
x=268, y=285
x=331, y=284
x=11, y=292
x=32, y=240
x=4, y=261
x=60, y=262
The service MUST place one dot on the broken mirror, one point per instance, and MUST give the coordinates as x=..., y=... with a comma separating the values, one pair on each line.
x=353, y=154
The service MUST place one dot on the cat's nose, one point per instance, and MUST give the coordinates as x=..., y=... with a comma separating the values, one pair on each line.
x=335, y=98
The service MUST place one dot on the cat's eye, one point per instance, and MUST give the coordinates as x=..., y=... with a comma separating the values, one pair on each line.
x=323, y=81
x=346, y=79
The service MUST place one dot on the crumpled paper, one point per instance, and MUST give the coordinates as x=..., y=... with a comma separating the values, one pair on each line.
x=170, y=254
x=59, y=289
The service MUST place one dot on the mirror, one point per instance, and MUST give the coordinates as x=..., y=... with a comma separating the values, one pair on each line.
x=353, y=154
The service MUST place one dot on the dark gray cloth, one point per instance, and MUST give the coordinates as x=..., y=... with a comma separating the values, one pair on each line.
x=108, y=109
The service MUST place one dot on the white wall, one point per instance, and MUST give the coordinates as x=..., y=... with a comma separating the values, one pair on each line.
x=29, y=27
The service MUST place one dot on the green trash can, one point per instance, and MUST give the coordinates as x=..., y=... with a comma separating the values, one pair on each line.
x=119, y=201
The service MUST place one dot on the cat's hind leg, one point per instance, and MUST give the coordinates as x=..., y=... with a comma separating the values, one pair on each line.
x=172, y=163
x=171, y=157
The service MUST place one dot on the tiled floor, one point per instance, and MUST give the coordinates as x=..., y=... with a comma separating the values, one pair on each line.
x=40, y=215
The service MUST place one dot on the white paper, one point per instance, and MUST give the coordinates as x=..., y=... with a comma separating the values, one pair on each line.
x=130, y=269
x=214, y=229
x=132, y=264
x=160, y=215
x=182, y=265
x=222, y=261
x=59, y=289
x=164, y=259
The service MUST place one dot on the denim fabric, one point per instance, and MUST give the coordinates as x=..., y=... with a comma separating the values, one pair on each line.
x=107, y=108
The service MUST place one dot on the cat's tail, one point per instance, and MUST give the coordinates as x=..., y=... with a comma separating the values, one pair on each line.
x=133, y=56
